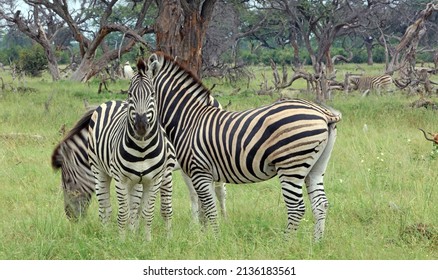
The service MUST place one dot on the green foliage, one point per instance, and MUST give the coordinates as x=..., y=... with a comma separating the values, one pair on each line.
x=32, y=61
x=380, y=183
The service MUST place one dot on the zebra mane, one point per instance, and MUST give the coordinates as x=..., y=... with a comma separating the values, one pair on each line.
x=174, y=61
x=79, y=126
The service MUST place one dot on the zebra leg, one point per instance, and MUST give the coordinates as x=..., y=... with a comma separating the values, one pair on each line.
x=221, y=194
x=166, y=201
x=123, y=214
x=193, y=197
x=102, y=188
x=203, y=186
x=291, y=187
x=149, y=197
x=315, y=186
x=135, y=197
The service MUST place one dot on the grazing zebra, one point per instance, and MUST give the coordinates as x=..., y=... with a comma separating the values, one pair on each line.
x=127, y=143
x=367, y=83
x=77, y=180
x=292, y=139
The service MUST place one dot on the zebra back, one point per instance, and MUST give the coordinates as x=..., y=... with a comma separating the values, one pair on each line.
x=370, y=82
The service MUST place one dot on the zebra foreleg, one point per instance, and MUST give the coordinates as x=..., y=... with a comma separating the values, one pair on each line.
x=203, y=187
x=135, y=197
x=221, y=194
x=194, y=203
x=150, y=195
x=123, y=214
x=197, y=213
x=166, y=201
x=102, y=188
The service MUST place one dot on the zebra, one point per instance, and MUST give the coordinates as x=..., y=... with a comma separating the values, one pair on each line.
x=126, y=143
x=367, y=83
x=292, y=139
x=77, y=180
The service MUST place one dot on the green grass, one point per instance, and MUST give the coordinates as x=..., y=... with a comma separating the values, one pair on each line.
x=380, y=184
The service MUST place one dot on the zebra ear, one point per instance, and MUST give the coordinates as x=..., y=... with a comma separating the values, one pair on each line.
x=154, y=64
x=141, y=66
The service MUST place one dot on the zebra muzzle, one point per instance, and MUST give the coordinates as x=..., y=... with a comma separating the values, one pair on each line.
x=141, y=124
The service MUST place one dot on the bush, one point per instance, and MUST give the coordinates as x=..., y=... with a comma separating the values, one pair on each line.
x=32, y=61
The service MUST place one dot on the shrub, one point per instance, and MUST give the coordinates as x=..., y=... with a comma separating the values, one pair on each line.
x=32, y=61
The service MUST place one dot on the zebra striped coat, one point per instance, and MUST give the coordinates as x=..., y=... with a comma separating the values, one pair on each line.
x=364, y=83
x=127, y=143
x=291, y=139
x=77, y=180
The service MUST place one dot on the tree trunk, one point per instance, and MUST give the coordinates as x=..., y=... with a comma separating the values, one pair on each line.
x=82, y=72
x=180, y=29
x=404, y=56
x=52, y=63
x=369, y=46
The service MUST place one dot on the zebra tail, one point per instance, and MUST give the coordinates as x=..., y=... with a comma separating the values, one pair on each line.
x=79, y=126
x=333, y=115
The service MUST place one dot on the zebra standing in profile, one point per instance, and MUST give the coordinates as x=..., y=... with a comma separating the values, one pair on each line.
x=367, y=83
x=292, y=139
x=127, y=143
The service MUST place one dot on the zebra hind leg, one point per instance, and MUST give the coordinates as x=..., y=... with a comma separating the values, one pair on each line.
x=291, y=187
x=315, y=186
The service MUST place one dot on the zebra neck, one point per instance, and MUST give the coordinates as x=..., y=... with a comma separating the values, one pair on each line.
x=132, y=141
x=181, y=101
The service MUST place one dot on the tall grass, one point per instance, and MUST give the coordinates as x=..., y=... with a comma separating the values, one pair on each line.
x=380, y=184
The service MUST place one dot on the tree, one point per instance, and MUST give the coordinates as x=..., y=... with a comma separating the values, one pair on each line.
x=319, y=24
x=98, y=15
x=180, y=30
x=404, y=55
x=232, y=22
x=32, y=26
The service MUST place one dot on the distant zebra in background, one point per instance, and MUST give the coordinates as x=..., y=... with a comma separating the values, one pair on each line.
x=366, y=84
x=127, y=143
x=292, y=139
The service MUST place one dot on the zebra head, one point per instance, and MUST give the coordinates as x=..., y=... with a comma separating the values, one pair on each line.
x=77, y=184
x=142, y=113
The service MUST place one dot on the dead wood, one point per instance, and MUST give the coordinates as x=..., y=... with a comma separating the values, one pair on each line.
x=424, y=103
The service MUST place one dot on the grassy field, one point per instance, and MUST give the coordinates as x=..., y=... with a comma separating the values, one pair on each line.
x=380, y=184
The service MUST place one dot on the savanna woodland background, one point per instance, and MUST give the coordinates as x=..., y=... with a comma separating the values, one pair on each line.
x=58, y=56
